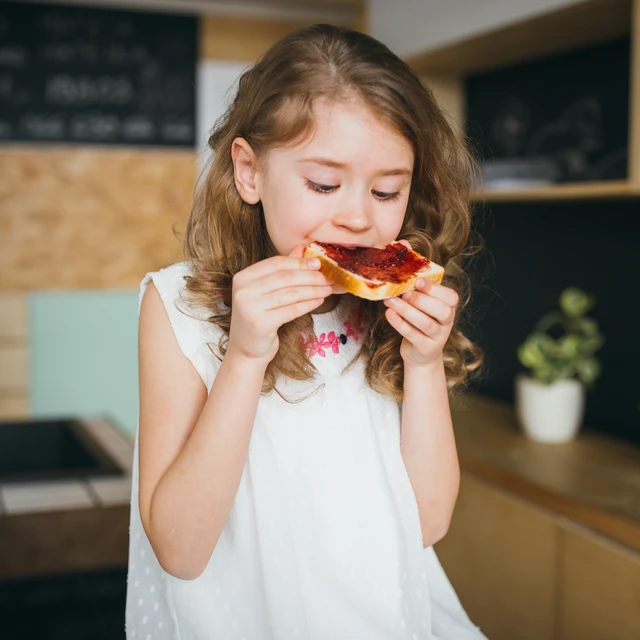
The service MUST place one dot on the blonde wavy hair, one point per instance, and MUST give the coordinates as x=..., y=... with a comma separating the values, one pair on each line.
x=274, y=107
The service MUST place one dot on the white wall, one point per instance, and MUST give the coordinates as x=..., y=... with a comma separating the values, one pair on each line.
x=409, y=27
x=216, y=86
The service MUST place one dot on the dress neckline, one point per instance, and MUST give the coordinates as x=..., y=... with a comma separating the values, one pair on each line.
x=338, y=331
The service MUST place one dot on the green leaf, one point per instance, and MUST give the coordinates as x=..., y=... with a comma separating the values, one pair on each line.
x=536, y=350
x=588, y=370
x=575, y=303
x=590, y=345
x=572, y=354
x=529, y=355
x=569, y=346
x=565, y=369
x=545, y=374
x=587, y=326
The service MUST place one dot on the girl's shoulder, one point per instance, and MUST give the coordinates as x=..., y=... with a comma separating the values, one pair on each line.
x=169, y=281
x=189, y=321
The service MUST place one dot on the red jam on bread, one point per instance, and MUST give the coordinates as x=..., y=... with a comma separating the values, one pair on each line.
x=394, y=263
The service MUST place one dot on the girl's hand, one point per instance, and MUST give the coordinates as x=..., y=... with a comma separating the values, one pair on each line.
x=424, y=318
x=267, y=295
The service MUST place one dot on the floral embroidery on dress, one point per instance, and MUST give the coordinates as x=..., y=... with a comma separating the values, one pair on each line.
x=354, y=327
x=355, y=323
x=325, y=341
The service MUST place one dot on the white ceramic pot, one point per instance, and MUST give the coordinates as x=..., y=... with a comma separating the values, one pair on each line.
x=550, y=413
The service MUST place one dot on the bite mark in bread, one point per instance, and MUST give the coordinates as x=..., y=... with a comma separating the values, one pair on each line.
x=374, y=274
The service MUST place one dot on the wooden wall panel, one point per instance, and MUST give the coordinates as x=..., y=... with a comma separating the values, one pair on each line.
x=634, y=106
x=14, y=370
x=86, y=217
x=13, y=318
x=580, y=24
x=500, y=555
x=600, y=587
x=13, y=367
x=14, y=408
x=238, y=39
x=448, y=90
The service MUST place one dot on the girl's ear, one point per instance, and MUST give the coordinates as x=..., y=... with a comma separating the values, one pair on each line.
x=245, y=169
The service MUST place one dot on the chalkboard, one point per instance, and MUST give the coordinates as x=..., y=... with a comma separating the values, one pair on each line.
x=71, y=74
x=559, y=119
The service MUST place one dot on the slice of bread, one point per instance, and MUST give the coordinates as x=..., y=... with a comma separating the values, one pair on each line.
x=374, y=274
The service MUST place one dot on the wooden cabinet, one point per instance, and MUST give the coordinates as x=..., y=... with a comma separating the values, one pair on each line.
x=499, y=555
x=523, y=552
x=599, y=587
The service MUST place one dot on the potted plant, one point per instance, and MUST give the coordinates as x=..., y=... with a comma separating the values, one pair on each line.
x=560, y=356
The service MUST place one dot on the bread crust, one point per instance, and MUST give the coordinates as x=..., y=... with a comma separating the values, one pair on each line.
x=369, y=289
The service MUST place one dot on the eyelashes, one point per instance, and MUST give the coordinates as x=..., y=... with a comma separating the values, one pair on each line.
x=378, y=195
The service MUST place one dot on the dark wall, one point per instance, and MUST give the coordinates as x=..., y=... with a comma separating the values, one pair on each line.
x=533, y=251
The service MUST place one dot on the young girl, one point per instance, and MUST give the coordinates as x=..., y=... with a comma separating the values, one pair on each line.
x=295, y=459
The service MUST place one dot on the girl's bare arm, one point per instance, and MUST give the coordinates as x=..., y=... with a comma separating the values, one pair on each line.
x=192, y=448
x=429, y=449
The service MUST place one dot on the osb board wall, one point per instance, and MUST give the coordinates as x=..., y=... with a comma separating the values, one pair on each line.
x=84, y=217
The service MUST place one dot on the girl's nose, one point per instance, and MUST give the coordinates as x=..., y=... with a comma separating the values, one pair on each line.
x=355, y=215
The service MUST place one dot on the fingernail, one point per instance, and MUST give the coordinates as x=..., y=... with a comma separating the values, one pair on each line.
x=420, y=283
x=392, y=301
x=313, y=263
x=327, y=287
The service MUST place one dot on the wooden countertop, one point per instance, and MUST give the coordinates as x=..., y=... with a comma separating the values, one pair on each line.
x=594, y=480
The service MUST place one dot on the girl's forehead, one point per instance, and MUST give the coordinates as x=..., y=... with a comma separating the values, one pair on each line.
x=350, y=130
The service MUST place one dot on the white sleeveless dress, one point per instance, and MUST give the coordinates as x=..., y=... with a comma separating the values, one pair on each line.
x=323, y=540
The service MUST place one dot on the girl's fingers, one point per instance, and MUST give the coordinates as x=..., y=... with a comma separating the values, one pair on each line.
x=438, y=291
x=433, y=307
x=287, y=314
x=278, y=263
x=406, y=329
x=285, y=279
x=418, y=319
x=294, y=295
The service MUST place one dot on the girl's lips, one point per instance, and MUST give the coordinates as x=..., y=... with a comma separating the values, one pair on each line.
x=348, y=245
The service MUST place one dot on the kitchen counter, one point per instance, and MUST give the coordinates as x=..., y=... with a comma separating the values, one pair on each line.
x=78, y=522
x=593, y=480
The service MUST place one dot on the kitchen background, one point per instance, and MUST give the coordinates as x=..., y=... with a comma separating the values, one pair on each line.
x=95, y=193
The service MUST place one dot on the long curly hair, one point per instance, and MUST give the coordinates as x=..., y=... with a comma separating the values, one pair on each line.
x=273, y=107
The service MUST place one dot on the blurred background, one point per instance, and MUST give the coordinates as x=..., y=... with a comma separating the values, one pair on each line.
x=105, y=109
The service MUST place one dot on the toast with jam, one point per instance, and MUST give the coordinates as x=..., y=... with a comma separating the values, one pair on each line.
x=372, y=273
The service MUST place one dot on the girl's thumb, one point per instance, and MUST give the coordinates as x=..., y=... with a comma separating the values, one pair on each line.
x=298, y=251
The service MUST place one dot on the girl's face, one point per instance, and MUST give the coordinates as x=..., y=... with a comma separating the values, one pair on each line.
x=347, y=184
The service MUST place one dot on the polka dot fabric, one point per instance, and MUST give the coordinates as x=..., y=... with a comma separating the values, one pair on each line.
x=323, y=540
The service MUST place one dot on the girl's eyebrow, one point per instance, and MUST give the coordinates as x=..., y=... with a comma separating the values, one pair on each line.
x=327, y=162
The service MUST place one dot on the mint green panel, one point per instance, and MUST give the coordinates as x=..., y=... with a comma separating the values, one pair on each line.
x=83, y=355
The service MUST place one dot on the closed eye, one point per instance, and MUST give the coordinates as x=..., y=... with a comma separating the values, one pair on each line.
x=386, y=197
x=379, y=195
x=320, y=188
